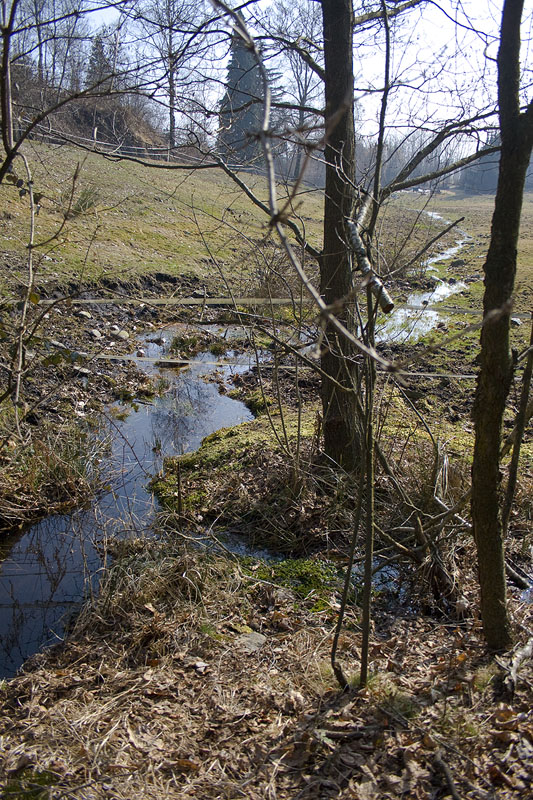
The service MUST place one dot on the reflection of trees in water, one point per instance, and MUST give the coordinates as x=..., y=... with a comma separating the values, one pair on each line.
x=192, y=409
x=46, y=570
x=181, y=413
x=40, y=579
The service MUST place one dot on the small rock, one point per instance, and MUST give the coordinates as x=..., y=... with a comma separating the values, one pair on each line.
x=57, y=345
x=458, y=262
x=250, y=642
x=123, y=335
x=95, y=333
x=84, y=314
x=452, y=281
x=516, y=322
x=114, y=329
x=82, y=371
x=140, y=353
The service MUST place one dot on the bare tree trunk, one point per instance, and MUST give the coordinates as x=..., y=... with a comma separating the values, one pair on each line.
x=342, y=435
x=6, y=97
x=496, y=362
x=299, y=148
x=171, y=104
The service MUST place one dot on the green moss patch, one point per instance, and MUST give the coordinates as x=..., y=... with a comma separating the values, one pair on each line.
x=310, y=579
x=257, y=401
x=30, y=784
x=256, y=479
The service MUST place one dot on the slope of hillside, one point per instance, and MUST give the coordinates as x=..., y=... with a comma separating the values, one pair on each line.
x=125, y=220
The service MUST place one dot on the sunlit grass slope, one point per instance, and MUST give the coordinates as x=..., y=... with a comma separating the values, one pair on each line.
x=126, y=220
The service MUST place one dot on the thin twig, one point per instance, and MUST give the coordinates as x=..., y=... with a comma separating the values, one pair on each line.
x=444, y=768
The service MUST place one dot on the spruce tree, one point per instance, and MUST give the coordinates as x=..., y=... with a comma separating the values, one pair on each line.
x=240, y=115
x=99, y=68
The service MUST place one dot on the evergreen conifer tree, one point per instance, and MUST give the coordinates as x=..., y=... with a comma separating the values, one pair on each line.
x=240, y=114
x=99, y=68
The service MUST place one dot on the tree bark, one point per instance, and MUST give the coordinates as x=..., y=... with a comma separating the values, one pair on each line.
x=496, y=363
x=342, y=435
x=171, y=102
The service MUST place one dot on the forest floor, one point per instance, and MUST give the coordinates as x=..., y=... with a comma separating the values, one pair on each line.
x=199, y=674
x=190, y=677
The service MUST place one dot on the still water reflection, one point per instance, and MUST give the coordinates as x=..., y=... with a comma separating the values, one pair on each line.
x=47, y=571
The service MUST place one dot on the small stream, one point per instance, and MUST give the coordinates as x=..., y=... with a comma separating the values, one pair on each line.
x=47, y=571
x=414, y=320
x=50, y=568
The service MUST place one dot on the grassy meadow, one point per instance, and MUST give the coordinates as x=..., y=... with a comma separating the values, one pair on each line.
x=477, y=211
x=125, y=220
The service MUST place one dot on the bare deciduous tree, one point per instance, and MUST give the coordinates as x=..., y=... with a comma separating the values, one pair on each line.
x=516, y=126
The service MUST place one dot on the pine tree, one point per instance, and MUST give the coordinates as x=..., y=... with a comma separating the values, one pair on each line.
x=240, y=114
x=99, y=68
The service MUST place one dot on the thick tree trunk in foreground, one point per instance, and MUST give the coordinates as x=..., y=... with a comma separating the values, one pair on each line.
x=342, y=439
x=496, y=363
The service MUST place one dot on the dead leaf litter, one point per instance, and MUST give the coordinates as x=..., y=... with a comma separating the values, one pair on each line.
x=164, y=690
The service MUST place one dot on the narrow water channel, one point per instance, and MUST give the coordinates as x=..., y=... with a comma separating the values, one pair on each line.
x=49, y=569
x=414, y=320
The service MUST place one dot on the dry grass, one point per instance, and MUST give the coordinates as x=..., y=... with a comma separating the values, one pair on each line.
x=156, y=695
x=49, y=474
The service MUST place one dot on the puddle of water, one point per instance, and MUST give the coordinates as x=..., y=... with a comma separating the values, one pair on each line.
x=410, y=324
x=47, y=571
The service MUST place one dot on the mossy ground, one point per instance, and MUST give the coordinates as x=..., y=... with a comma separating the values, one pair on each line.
x=248, y=477
x=29, y=784
x=315, y=580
